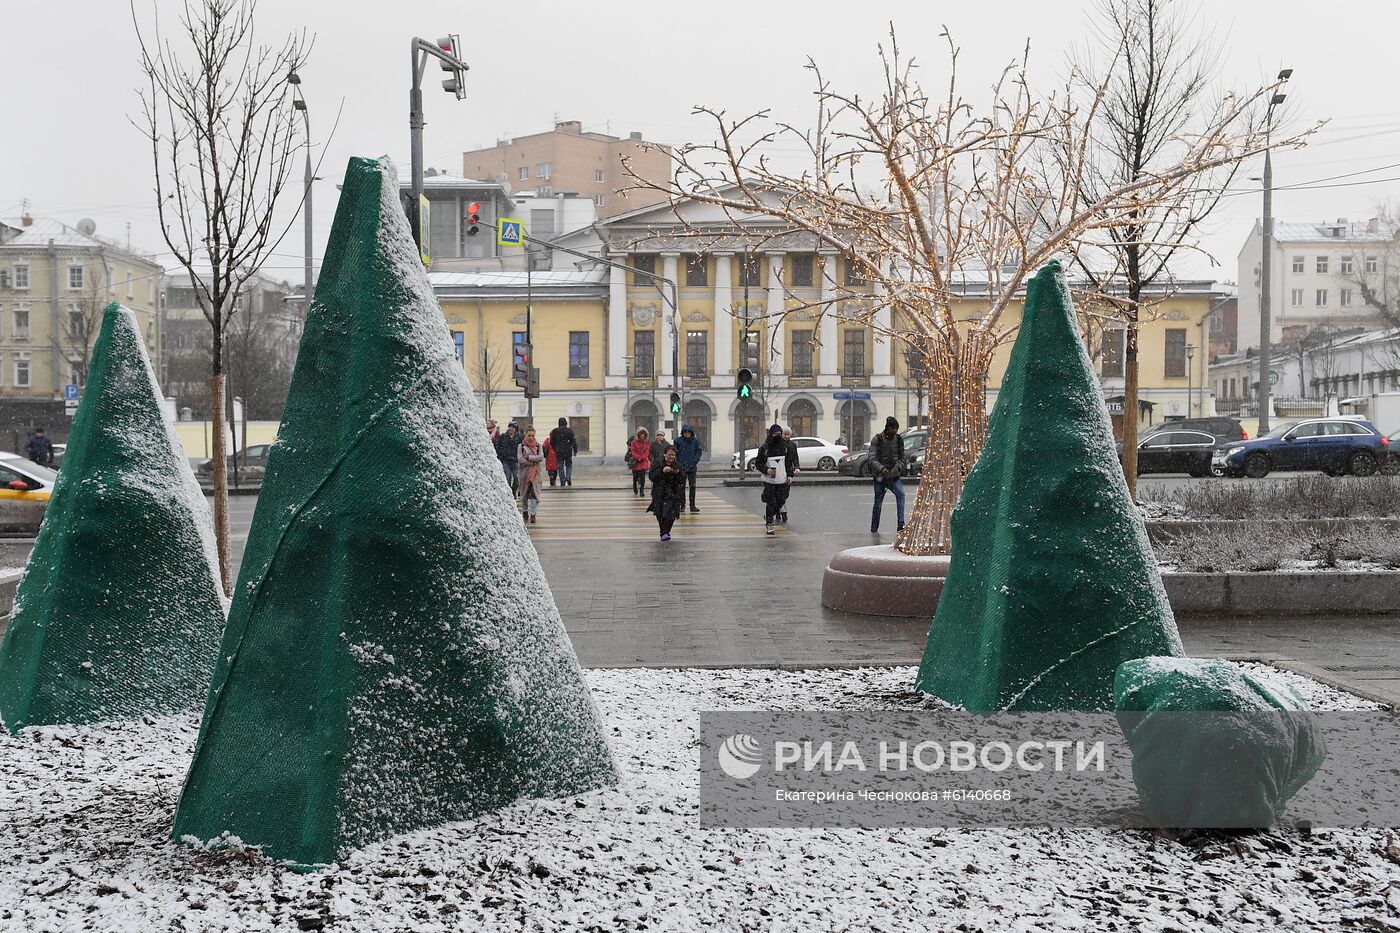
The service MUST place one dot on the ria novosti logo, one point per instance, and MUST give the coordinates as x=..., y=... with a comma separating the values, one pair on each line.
x=740, y=756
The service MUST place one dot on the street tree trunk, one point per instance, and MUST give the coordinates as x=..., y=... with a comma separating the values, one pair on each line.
x=220, y=478
x=1130, y=406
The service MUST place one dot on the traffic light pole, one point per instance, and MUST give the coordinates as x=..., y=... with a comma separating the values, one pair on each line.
x=450, y=62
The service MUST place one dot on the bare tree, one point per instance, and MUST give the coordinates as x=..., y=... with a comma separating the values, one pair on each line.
x=218, y=114
x=943, y=209
x=491, y=374
x=82, y=321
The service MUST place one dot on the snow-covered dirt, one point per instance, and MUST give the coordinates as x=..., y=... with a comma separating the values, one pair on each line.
x=86, y=811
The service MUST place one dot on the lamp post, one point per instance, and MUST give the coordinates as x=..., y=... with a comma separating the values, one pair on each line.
x=627, y=405
x=1190, y=378
x=446, y=51
x=1265, y=273
x=299, y=103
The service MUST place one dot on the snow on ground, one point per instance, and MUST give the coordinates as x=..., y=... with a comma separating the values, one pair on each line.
x=85, y=846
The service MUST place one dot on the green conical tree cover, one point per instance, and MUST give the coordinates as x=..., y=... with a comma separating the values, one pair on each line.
x=119, y=611
x=393, y=658
x=1052, y=582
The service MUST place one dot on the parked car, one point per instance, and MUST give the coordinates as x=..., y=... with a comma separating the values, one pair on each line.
x=1333, y=445
x=813, y=453
x=252, y=463
x=25, y=488
x=1391, y=465
x=1174, y=452
x=1222, y=428
x=58, y=451
x=914, y=442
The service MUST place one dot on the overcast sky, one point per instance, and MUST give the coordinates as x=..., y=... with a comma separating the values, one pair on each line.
x=70, y=79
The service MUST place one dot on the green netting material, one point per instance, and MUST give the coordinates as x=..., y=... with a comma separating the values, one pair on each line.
x=394, y=658
x=119, y=611
x=1235, y=767
x=1052, y=582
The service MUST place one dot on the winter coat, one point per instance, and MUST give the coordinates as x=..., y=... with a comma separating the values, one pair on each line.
x=778, y=448
x=528, y=475
x=688, y=450
x=667, y=491
x=551, y=459
x=564, y=444
x=886, y=453
x=658, y=448
x=641, y=455
x=508, y=448
x=40, y=450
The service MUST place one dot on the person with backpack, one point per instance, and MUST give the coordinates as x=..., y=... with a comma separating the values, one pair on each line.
x=688, y=453
x=564, y=443
x=886, y=466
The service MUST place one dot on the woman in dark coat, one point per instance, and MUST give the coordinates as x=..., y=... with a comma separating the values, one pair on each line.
x=667, y=492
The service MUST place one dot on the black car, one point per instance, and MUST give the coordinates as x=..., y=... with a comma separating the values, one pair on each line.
x=1219, y=427
x=1174, y=451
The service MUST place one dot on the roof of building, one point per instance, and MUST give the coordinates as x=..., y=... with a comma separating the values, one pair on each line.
x=16, y=235
x=1348, y=231
x=447, y=180
x=548, y=283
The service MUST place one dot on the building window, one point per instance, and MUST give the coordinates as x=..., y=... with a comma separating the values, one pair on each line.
x=544, y=170
x=1322, y=265
x=802, y=264
x=22, y=322
x=598, y=200
x=517, y=348
x=522, y=173
x=1321, y=298
x=1345, y=299
x=581, y=429
x=855, y=274
x=21, y=275
x=77, y=324
x=1297, y=265
x=697, y=353
x=1175, y=363
x=1111, y=350
x=129, y=290
x=802, y=354
x=460, y=347
x=644, y=353
x=75, y=277
x=853, y=348
x=1345, y=266
x=600, y=176
x=697, y=267
x=544, y=189
x=644, y=263
x=578, y=354
x=1295, y=298
x=751, y=269
x=1370, y=267
x=21, y=370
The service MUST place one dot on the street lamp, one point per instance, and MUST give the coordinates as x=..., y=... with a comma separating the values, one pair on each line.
x=446, y=51
x=627, y=405
x=1190, y=378
x=299, y=103
x=1265, y=274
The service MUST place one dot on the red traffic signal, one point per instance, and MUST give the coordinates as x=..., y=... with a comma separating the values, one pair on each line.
x=473, y=218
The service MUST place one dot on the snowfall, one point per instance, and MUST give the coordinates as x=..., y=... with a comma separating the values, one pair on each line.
x=86, y=846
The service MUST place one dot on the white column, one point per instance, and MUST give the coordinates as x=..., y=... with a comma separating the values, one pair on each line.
x=775, y=363
x=827, y=362
x=668, y=270
x=617, y=328
x=884, y=345
x=724, y=323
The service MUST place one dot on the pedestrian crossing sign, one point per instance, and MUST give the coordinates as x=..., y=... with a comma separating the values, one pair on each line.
x=509, y=232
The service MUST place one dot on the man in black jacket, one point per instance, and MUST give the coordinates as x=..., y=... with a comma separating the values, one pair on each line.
x=40, y=448
x=564, y=444
x=886, y=465
x=508, y=452
x=775, y=490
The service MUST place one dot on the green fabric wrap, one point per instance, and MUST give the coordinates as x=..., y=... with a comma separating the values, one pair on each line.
x=119, y=611
x=394, y=658
x=1214, y=747
x=1052, y=582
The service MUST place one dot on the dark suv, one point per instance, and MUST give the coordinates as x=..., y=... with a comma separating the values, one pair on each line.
x=1333, y=445
x=1222, y=428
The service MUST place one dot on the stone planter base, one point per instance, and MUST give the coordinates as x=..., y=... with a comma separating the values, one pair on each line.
x=878, y=580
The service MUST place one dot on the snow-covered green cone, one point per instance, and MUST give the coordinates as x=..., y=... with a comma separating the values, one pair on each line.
x=1052, y=582
x=119, y=611
x=394, y=658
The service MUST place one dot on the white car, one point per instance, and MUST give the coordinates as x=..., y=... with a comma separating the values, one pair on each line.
x=813, y=453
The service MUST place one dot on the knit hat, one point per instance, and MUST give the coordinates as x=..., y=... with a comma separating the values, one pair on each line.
x=891, y=422
x=775, y=428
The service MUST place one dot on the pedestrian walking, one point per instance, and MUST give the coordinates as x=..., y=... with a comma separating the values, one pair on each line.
x=530, y=481
x=777, y=461
x=792, y=449
x=688, y=453
x=551, y=460
x=639, y=461
x=886, y=465
x=658, y=447
x=508, y=452
x=564, y=443
x=492, y=431
x=667, y=492
x=40, y=448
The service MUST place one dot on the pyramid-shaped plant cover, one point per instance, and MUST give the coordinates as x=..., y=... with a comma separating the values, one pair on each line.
x=119, y=611
x=394, y=658
x=1052, y=582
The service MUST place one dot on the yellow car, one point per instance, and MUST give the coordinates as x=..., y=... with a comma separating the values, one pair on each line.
x=25, y=488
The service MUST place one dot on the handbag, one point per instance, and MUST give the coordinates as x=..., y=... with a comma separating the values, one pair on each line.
x=629, y=459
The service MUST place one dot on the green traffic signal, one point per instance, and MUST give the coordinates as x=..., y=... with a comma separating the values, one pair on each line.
x=745, y=391
x=675, y=408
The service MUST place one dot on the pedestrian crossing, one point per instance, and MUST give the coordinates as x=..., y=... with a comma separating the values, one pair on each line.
x=618, y=515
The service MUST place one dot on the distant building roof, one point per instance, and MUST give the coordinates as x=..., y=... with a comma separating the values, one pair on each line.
x=16, y=235
x=1373, y=230
x=556, y=283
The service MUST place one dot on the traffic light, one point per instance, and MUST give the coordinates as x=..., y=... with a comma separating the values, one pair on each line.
x=520, y=368
x=675, y=403
x=457, y=83
x=745, y=389
x=473, y=218
x=532, y=384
